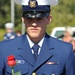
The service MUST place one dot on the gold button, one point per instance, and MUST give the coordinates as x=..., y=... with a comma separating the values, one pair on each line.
x=34, y=73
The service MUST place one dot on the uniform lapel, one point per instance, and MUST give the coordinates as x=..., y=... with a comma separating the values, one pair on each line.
x=26, y=51
x=45, y=54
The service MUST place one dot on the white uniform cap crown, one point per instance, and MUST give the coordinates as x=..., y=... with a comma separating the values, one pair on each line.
x=40, y=2
x=9, y=25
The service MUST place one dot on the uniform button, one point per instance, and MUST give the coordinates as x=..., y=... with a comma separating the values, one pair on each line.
x=33, y=73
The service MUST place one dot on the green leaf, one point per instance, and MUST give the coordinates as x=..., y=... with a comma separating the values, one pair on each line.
x=18, y=73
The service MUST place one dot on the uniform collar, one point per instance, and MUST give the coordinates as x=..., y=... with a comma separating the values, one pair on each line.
x=31, y=43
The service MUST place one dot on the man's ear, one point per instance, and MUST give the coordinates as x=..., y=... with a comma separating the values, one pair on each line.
x=22, y=19
x=50, y=18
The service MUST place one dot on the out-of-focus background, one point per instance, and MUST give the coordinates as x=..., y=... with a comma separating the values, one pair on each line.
x=63, y=15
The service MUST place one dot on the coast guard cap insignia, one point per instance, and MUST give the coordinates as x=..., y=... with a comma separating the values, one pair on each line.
x=32, y=4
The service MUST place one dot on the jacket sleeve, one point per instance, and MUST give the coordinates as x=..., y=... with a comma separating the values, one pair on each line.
x=1, y=61
x=70, y=63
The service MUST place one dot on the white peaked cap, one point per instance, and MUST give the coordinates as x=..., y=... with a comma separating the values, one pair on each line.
x=9, y=25
x=40, y=2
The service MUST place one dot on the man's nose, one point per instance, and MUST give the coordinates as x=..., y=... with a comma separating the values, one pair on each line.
x=34, y=24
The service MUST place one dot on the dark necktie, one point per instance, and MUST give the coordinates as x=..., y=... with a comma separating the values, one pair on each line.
x=35, y=49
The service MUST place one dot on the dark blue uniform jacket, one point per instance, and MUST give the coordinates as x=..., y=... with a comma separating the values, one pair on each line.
x=55, y=58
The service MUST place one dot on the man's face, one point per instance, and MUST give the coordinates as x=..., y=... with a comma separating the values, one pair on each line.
x=36, y=27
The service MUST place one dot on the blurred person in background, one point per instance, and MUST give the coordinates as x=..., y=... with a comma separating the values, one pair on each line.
x=68, y=35
x=10, y=34
x=18, y=33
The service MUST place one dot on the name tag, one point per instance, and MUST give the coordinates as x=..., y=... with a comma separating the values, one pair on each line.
x=20, y=61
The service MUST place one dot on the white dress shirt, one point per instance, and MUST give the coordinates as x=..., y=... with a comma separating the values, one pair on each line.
x=31, y=43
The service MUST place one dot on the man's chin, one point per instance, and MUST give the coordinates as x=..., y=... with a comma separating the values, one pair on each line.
x=34, y=36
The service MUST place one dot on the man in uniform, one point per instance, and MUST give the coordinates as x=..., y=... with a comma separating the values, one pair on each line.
x=36, y=52
x=9, y=32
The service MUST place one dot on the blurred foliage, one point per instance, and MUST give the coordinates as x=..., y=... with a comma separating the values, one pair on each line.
x=1, y=34
x=62, y=15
